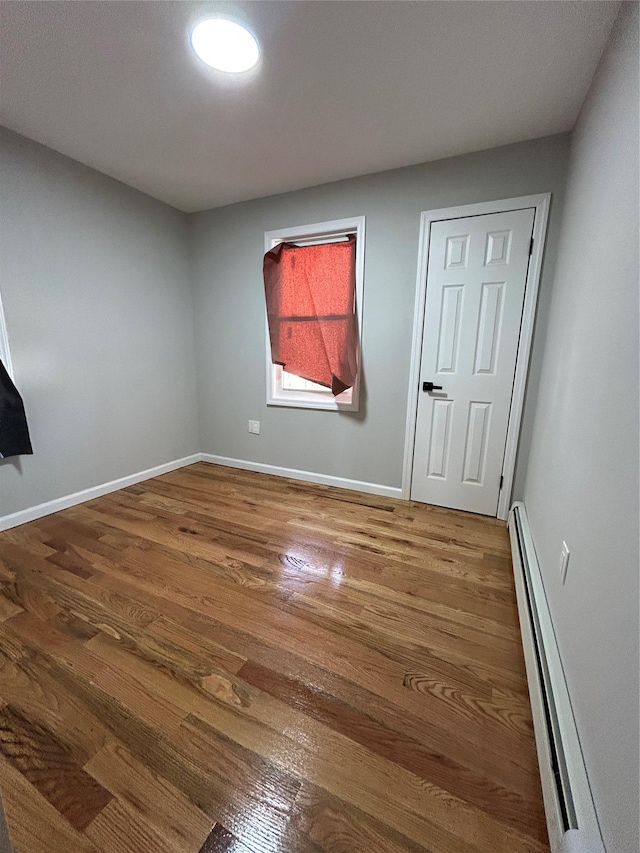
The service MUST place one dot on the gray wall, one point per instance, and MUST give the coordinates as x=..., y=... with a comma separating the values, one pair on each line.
x=227, y=249
x=582, y=479
x=96, y=291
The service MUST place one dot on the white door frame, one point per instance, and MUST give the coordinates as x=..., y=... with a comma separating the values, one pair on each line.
x=541, y=205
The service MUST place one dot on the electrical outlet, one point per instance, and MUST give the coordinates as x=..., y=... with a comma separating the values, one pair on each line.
x=564, y=562
x=254, y=427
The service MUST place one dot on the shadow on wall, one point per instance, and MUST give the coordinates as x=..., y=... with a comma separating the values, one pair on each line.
x=361, y=414
x=16, y=461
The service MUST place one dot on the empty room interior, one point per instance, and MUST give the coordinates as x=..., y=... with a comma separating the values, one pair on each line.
x=319, y=440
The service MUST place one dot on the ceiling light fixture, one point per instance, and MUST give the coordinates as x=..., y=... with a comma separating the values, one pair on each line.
x=225, y=45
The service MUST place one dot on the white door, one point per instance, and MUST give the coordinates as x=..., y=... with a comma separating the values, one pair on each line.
x=476, y=278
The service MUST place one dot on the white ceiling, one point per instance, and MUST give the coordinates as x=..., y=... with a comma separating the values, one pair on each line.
x=343, y=88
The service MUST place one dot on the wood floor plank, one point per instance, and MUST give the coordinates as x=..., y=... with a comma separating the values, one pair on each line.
x=501, y=772
x=339, y=828
x=35, y=633
x=32, y=688
x=337, y=651
x=35, y=826
x=230, y=725
x=220, y=840
x=397, y=747
x=262, y=795
x=121, y=828
x=51, y=769
x=131, y=611
x=8, y=608
x=353, y=776
x=168, y=629
x=162, y=805
x=218, y=660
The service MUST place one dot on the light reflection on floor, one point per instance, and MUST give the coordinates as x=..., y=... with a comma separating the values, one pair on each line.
x=297, y=563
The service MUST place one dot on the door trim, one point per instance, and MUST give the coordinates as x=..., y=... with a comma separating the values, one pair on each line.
x=541, y=204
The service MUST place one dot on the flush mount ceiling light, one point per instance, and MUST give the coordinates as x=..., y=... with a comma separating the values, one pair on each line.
x=225, y=45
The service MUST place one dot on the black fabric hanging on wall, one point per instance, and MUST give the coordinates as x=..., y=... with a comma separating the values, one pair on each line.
x=14, y=432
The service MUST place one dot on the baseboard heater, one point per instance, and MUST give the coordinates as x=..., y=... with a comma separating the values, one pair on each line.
x=568, y=803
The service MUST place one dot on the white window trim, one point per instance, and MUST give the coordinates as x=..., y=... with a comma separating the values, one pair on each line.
x=5, y=355
x=319, y=232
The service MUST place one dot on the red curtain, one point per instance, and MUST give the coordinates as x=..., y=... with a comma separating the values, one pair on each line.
x=311, y=308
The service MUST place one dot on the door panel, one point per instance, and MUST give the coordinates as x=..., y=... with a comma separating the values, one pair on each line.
x=476, y=277
x=449, y=337
x=489, y=327
x=439, y=444
x=475, y=451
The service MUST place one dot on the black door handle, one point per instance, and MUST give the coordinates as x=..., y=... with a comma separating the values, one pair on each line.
x=429, y=386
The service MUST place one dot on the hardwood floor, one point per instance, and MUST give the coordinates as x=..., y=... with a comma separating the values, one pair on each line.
x=217, y=660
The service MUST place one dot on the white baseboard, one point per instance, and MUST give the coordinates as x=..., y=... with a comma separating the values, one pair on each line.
x=30, y=514
x=307, y=476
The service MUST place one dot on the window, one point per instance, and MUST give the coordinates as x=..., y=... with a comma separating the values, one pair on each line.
x=286, y=389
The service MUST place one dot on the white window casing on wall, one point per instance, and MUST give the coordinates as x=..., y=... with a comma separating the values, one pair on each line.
x=282, y=388
x=5, y=355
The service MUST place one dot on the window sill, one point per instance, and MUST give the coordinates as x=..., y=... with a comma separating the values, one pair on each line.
x=327, y=405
